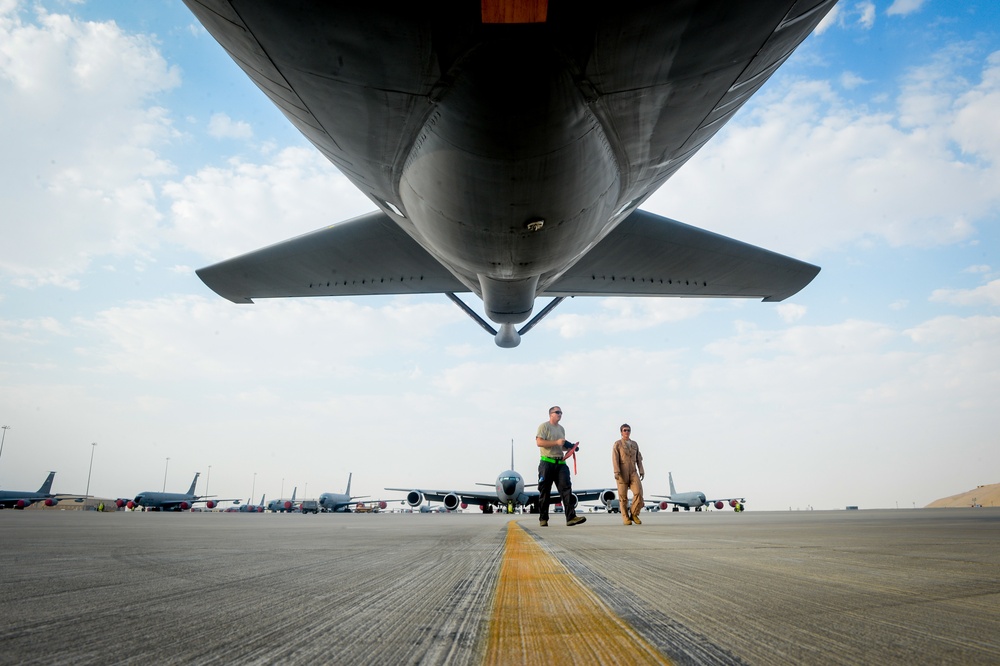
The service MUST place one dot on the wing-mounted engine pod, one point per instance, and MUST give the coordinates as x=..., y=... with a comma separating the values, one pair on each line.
x=607, y=496
x=414, y=498
x=574, y=499
x=451, y=501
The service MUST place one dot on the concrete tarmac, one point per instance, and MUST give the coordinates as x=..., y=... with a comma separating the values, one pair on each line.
x=839, y=587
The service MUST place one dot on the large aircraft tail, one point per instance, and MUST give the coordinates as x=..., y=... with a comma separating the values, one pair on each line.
x=294, y=490
x=348, y=491
x=670, y=477
x=47, y=486
x=194, y=483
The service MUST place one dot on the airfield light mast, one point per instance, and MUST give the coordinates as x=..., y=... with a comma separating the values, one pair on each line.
x=93, y=447
x=5, y=429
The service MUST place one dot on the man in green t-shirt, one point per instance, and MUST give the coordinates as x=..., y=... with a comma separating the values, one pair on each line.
x=552, y=444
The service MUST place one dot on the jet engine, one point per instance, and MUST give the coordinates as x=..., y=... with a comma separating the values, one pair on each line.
x=184, y=506
x=414, y=498
x=574, y=499
x=22, y=504
x=663, y=506
x=210, y=504
x=606, y=497
x=720, y=504
x=451, y=501
x=382, y=504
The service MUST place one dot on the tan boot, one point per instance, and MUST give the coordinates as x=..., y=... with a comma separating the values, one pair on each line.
x=635, y=519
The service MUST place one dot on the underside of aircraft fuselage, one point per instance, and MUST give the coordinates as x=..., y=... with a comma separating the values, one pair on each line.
x=511, y=175
x=507, y=151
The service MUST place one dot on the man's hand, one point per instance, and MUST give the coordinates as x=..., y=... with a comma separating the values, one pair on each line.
x=642, y=476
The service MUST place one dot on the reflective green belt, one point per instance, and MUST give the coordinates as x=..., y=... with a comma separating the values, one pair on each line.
x=558, y=461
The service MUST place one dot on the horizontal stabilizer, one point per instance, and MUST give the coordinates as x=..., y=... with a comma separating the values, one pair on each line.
x=366, y=256
x=649, y=255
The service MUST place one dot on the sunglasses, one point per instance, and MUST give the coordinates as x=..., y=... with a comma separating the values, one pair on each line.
x=557, y=412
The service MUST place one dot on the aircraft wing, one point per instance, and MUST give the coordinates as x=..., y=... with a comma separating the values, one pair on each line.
x=581, y=495
x=650, y=255
x=364, y=256
x=467, y=496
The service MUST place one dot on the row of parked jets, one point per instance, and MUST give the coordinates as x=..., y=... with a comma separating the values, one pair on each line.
x=509, y=494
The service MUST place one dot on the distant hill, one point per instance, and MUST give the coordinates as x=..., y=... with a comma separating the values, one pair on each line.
x=988, y=495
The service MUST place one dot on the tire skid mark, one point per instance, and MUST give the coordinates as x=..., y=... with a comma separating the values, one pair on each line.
x=681, y=644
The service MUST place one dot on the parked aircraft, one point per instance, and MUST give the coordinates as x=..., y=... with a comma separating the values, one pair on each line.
x=341, y=501
x=252, y=508
x=611, y=506
x=695, y=499
x=157, y=501
x=508, y=149
x=508, y=492
x=21, y=499
x=283, y=505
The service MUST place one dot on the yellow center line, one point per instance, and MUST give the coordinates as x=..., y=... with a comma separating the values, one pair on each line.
x=543, y=615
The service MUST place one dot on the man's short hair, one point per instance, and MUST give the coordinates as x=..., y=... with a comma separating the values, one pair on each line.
x=553, y=408
x=623, y=426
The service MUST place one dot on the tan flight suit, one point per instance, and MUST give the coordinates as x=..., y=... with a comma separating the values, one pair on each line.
x=625, y=458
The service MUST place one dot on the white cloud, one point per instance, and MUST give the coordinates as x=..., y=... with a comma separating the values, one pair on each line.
x=866, y=14
x=195, y=339
x=904, y=7
x=79, y=137
x=221, y=126
x=225, y=211
x=850, y=80
x=986, y=295
x=791, y=312
x=627, y=315
x=804, y=169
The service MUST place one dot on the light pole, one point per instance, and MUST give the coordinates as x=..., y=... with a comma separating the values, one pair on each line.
x=208, y=479
x=5, y=429
x=165, y=474
x=93, y=447
x=282, y=495
x=254, y=486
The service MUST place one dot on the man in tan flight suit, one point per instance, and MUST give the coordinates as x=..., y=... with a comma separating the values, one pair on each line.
x=626, y=462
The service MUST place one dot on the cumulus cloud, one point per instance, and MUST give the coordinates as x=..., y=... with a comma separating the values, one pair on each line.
x=904, y=7
x=221, y=126
x=80, y=133
x=624, y=315
x=223, y=211
x=805, y=169
x=984, y=295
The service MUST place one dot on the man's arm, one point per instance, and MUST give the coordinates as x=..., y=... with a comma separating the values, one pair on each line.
x=543, y=443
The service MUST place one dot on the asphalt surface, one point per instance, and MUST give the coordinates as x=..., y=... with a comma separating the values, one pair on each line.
x=847, y=587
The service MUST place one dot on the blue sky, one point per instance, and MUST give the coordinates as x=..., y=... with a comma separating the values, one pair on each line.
x=135, y=151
